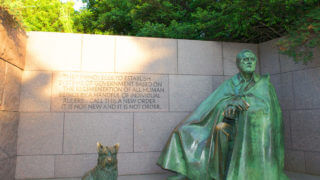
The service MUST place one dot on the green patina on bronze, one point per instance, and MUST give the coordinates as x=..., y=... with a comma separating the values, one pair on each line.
x=235, y=134
x=107, y=166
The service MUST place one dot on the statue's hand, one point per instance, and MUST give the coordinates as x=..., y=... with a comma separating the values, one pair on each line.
x=241, y=104
x=235, y=106
x=230, y=112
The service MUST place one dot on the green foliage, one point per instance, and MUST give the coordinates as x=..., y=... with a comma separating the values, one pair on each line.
x=42, y=15
x=251, y=21
x=303, y=39
x=227, y=20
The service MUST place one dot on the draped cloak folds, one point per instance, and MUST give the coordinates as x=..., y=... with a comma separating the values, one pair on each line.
x=195, y=150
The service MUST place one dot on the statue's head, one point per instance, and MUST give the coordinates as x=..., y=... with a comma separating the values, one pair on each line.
x=246, y=61
x=107, y=156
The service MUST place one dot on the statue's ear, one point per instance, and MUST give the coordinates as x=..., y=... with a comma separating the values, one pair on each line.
x=116, y=147
x=99, y=146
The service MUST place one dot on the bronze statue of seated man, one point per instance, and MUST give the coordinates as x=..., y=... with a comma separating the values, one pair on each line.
x=235, y=134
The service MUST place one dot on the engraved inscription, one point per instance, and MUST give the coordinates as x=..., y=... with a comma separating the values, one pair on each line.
x=109, y=92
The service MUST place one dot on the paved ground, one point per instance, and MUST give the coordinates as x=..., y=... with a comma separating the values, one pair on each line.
x=292, y=176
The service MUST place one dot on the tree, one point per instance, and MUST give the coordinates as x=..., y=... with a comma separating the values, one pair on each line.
x=42, y=15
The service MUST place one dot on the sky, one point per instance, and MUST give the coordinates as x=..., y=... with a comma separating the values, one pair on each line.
x=77, y=4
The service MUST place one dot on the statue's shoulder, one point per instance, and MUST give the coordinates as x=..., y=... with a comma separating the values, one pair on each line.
x=265, y=77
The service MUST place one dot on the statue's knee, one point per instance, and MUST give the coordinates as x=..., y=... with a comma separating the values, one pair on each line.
x=221, y=126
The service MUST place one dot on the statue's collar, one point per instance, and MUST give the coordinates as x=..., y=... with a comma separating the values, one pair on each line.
x=237, y=79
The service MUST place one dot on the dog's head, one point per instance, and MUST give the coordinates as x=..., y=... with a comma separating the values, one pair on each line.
x=107, y=155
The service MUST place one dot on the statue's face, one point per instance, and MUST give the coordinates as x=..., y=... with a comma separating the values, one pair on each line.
x=247, y=64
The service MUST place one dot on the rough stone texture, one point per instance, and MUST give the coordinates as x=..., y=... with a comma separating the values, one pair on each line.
x=35, y=93
x=2, y=79
x=74, y=165
x=269, y=57
x=146, y=55
x=305, y=127
x=98, y=53
x=12, y=46
x=287, y=129
x=199, y=57
x=295, y=161
x=287, y=64
x=7, y=168
x=152, y=130
x=187, y=92
x=83, y=130
x=307, y=88
x=230, y=51
x=40, y=133
x=35, y=167
x=53, y=51
x=11, y=94
x=312, y=162
x=8, y=132
x=138, y=163
x=286, y=97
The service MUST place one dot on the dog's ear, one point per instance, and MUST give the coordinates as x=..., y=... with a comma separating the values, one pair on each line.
x=116, y=147
x=99, y=146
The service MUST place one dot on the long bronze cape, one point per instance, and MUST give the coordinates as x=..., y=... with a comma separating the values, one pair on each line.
x=258, y=153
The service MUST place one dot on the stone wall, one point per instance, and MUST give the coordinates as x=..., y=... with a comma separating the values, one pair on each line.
x=12, y=50
x=67, y=105
x=298, y=88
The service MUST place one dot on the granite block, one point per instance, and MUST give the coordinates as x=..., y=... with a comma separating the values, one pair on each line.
x=128, y=163
x=138, y=163
x=40, y=133
x=287, y=129
x=305, y=132
x=146, y=55
x=13, y=45
x=269, y=57
x=109, y=92
x=199, y=57
x=74, y=165
x=3, y=155
x=187, y=92
x=295, y=161
x=2, y=79
x=34, y=167
x=217, y=81
x=7, y=168
x=98, y=53
x=313, y=163
x=35, y=93
x=11, y=94
x=152, y=130
x=287, y=64
x=9, y=132
x=286, y=97
x=230, y=51
x=145, y=177
x=301, y=176
x=82, y=131
x=53, y=51
x=276, y=82
x=307, y=88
